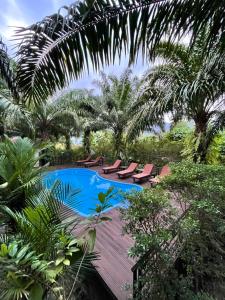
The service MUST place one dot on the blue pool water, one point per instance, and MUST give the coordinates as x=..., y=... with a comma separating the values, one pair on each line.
x=89, y=184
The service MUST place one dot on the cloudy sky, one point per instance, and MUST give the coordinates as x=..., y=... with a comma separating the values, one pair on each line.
x=16, y=13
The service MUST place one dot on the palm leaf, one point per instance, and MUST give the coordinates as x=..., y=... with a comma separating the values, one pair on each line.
x=6, y=71
x=61, y=47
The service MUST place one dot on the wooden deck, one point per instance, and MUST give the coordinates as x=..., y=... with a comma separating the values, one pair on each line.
x=114, y=266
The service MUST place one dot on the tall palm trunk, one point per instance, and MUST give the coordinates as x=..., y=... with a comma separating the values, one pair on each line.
x=118, y=146
x=44, y=152
x=68, y=142
x=87, y=140
x=201, y=123
x=2, y=131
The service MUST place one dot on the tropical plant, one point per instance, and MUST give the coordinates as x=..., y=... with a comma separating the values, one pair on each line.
x=18, y=170
x=49, y=120
x=112, y=110
x=192, y=84
x=7, y=75
x=43, y=249
x=159, y=151
x=61, y=46
x=10, y=102
x=216, y=153
x=180, y=131
x=182, y=259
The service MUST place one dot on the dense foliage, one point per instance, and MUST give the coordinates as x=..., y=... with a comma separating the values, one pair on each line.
x=40, y=249
x=178, y=227
x=186, y=84
x=19, y=170
x=185, y=254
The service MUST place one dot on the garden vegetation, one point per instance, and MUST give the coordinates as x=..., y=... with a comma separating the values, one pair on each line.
x=178, y=226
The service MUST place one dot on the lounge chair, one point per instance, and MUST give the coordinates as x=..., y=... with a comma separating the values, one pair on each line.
x=81, y=162
x=145, y=174
x=113, y=168
x=165, y=171
x=97, y=162
x=128, y=172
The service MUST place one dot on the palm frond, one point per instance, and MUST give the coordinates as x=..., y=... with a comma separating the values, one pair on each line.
x=60, y=47
x=6, y=71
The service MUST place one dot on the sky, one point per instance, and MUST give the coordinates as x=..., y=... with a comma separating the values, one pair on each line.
x=15, y=13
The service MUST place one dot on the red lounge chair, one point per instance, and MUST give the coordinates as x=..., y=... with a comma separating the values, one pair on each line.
x=145, y=174
x=113, y=168
x=97, y=162
x=165, y=171
x=81, y=162
x=128, y=172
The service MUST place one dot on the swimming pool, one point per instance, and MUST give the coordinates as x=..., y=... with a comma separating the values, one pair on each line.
x=89, y=183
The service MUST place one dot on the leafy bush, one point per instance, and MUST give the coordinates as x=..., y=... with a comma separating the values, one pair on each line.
x=179, y=132
x=186, y=256
x=59, y=155
x=18, y=170
x=157, y=151
x=216, y=152
x=144, y=223
x=102, y=144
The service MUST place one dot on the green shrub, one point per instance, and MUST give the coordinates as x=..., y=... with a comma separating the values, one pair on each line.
x=192, y=266
x=59, y=155
x=154, y=150
x=179, y=131
x=102, y=144
x=216, y=152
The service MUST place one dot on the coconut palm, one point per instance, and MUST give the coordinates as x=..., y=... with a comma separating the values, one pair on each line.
x=62, y=46
x=189, y=84
x=112, y=110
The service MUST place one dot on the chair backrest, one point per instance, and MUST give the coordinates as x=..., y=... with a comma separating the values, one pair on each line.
x=132, y=167
x=165, y=171
x=117, y=163
x=148, y=168
x=89, y=157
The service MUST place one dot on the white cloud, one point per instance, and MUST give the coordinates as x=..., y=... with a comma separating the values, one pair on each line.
x=11, y=17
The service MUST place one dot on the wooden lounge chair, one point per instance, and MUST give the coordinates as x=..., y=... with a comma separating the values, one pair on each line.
x=81, y=162
x=113, y=168
x=97, y=162
x=145, y=174
x=165, y=171
x=128, y=172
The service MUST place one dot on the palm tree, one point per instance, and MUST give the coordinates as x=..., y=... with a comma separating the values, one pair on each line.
x=62, y=46
x=112, y=110
x=48, y=120
x=189, y=84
